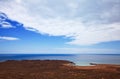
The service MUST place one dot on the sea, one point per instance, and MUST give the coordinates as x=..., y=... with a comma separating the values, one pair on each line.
x=78, y=59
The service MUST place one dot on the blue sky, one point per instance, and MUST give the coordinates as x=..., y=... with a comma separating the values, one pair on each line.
x=60, y=26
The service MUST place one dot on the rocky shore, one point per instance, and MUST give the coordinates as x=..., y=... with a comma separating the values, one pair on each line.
x=56, y=69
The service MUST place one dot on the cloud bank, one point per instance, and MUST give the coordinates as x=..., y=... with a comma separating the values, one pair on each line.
x=63, y=51
x=85, y=22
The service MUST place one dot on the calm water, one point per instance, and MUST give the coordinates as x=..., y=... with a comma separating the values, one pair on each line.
x=78, y=59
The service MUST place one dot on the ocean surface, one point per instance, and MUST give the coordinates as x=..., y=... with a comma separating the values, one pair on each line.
x=78, y=59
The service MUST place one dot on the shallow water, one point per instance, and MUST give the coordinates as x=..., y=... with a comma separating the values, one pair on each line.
x=78, y=59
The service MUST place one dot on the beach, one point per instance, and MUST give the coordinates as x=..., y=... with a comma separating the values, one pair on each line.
x=56, y=69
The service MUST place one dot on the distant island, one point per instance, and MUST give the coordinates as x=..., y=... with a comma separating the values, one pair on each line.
x=56, y=69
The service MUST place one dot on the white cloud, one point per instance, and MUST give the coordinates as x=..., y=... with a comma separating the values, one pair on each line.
x=64, y=18
x=8, y=38
x=18, y=1
x=6, y=25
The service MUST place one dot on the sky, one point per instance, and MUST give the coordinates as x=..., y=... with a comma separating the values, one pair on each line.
x=60, y=26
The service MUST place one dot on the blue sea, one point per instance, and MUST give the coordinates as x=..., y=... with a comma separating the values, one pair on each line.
x=78, y=59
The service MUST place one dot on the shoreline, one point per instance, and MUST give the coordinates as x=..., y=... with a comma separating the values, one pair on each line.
x=56, y=69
